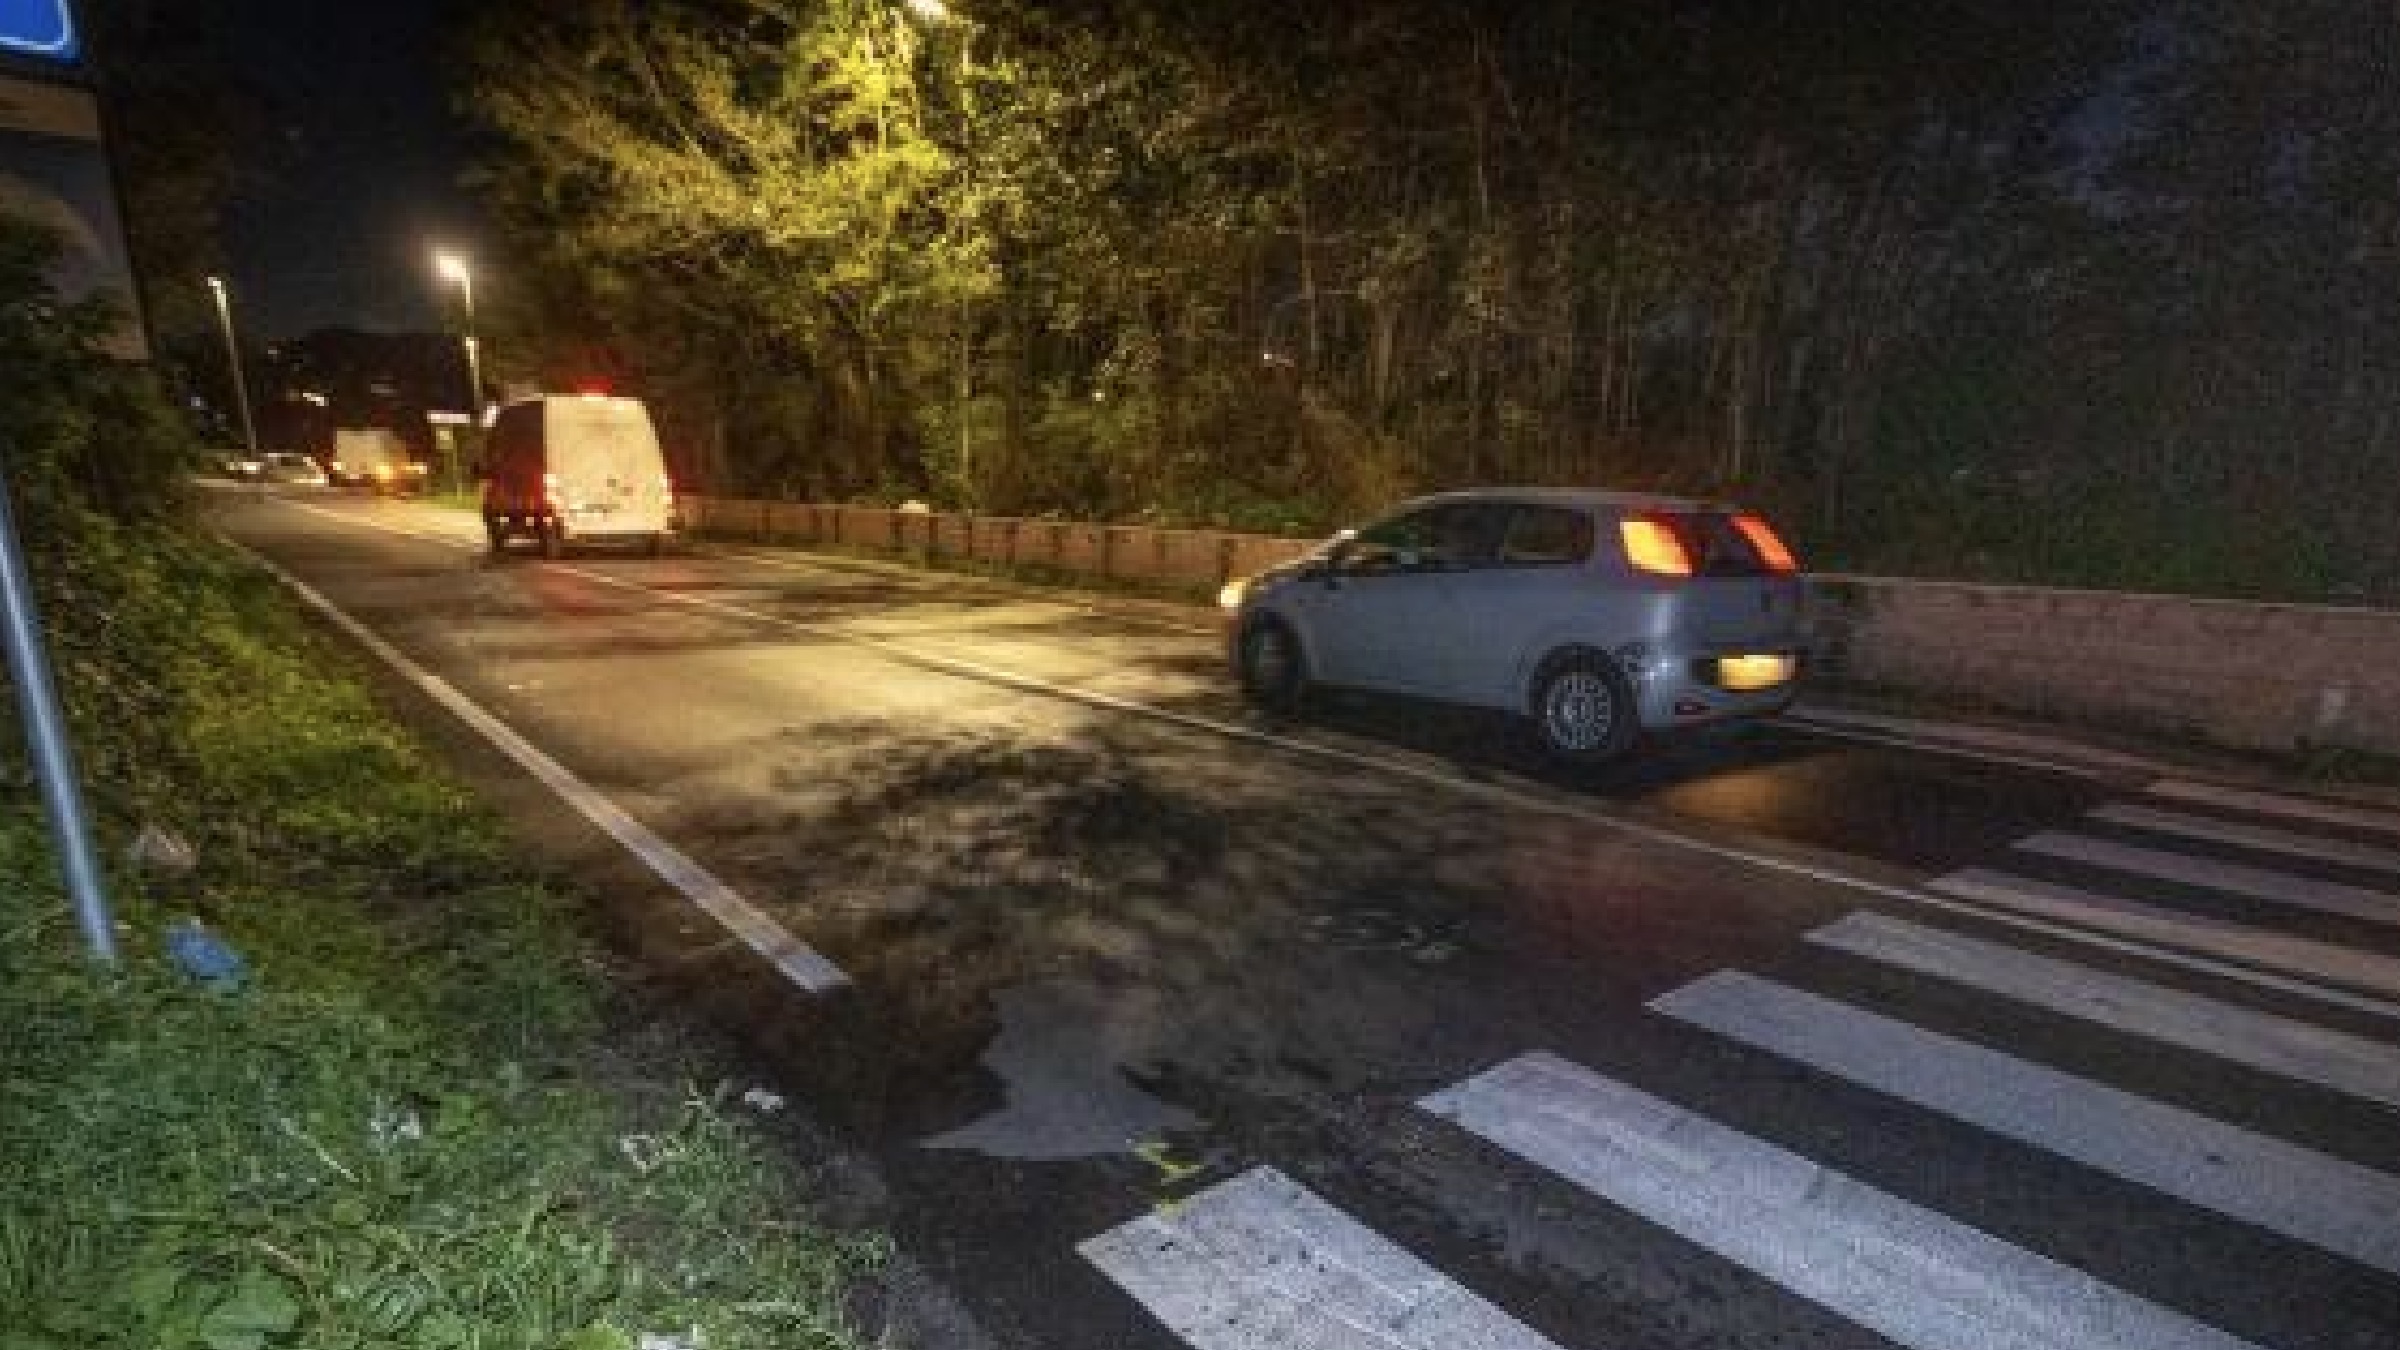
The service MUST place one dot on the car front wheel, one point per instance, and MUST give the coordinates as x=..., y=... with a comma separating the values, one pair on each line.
x=1583, y=710
x=1274, y=673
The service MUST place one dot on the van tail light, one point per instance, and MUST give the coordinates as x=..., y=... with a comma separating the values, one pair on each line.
x=1769, y=545
x=1653, y=545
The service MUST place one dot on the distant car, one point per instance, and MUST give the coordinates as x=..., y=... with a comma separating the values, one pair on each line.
x=566, y=469
x=244, y=465
x=291, y=468
x=1598, y=616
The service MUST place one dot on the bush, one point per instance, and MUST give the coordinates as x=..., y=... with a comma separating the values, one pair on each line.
x=78, y=431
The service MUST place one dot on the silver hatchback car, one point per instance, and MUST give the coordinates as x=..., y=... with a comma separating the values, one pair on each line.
x=1597, y=615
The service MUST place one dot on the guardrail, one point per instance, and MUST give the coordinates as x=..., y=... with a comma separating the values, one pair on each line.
x=2237, y=673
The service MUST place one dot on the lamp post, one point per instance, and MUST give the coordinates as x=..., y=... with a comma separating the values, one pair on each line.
x=452, y=267
x=233, y=358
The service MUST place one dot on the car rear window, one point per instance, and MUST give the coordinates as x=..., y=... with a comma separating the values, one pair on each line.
x=1547, y=535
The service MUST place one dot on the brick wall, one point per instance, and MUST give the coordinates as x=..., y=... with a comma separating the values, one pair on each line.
x=2255, y=676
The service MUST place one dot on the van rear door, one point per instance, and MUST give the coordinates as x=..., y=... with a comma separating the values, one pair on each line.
x=608, y=475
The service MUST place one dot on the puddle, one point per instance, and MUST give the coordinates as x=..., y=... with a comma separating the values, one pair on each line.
x=1058, y=1057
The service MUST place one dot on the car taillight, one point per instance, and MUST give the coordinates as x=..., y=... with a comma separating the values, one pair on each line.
x=1769, y=545
x=1653, y=545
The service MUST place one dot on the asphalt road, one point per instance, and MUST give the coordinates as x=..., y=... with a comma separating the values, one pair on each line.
x=1175, y=1027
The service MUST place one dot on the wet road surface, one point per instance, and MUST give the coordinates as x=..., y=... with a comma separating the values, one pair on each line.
x=1172, y=1026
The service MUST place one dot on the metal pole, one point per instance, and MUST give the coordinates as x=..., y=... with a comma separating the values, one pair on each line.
x=46, y=734
x=233, y=357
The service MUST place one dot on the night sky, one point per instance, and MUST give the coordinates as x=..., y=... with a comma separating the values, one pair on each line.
x=342, y=211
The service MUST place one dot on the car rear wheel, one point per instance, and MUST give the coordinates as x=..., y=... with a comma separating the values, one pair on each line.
x=496, y=535
x=1274, y=673
x=1583, y=710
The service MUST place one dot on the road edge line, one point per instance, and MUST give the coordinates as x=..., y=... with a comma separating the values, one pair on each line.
x=800, y=964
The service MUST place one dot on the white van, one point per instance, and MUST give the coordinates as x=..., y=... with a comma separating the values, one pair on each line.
x=374, y=457
x=566, y=469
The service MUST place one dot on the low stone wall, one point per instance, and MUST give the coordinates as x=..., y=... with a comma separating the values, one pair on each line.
x=2235, y=673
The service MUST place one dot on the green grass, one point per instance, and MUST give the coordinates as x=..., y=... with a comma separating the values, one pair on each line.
x=431, y=1118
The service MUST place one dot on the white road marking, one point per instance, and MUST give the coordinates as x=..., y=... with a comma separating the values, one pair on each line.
x=2303, y=963
x=2278, y=1045
x=1259, y=1263
x=2159, y=946
x=2257, y=883
x=1025, y=591
x=2275, y=804
x=799, y=963
x=2265, y=838
x=1800, y=721
x=2046, y=753
x=2305, y=1195
x=1900, y=1270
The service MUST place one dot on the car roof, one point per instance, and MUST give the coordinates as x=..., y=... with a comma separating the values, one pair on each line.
x=1558, y=496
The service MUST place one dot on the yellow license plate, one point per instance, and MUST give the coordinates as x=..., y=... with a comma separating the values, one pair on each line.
x=1744, y=673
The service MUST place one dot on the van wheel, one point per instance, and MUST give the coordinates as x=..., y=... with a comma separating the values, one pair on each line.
x=554, y=540
x=1583, y=709
x=496, y=535
x=1273, y=671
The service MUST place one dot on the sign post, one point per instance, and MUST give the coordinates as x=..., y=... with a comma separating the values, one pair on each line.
x=46, y=736
x=57, y=172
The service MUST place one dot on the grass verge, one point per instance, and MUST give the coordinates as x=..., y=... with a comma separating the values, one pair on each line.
x=431, y=1116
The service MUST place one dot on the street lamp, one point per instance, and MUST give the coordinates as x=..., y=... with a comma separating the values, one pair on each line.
x=452, y=267
x=931, y=11
x=233, y=358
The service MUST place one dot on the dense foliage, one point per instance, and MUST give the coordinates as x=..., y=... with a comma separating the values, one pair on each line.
x=2091, y=293
x=77, y=432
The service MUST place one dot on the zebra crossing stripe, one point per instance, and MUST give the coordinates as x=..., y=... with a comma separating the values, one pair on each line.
x=2258, y=883
x=1909, y=1274
x=2298, y=1050
x=2266, y=838
x=2304, y=1195
x=1260, y=1263
x=2314, y=963
x=2272, y=804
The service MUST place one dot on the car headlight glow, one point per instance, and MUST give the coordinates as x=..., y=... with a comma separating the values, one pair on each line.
x=1230, y=597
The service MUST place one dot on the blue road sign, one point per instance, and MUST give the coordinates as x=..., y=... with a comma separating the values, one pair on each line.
x=42, y=28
